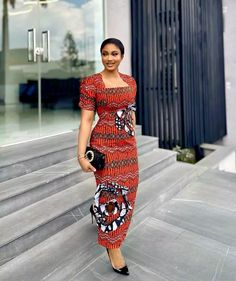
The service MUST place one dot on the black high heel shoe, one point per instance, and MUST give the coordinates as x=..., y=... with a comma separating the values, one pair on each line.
x=92, y=213
x=124, y=270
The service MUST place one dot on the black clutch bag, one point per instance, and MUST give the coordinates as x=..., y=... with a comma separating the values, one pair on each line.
x=95, y=157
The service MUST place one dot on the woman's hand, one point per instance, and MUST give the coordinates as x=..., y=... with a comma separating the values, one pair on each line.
x=85, y=165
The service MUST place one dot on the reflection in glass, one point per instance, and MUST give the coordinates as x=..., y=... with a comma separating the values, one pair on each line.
x=70, y=54
x=80, y=24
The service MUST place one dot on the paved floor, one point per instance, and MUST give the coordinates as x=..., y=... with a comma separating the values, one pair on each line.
x=189, y=238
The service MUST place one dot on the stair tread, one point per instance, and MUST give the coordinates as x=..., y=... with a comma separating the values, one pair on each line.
x=213, y=159
x=145, y=139
x=12, y=155
x=214, y=189
x=26, y=219
x=52, y=254
x=32, y=216
x=220, y=177
x=37, y=148
x=26, y=182
x=29, y=181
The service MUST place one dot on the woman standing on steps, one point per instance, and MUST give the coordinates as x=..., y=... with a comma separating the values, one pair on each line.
x=112, y=95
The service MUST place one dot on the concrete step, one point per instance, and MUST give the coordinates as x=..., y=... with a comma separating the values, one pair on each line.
x=32, y=224
x=72, y=250
x=220, y=178
x=20, y=159
x=146, y=143
x=207, y=207
x=23, y=158
x=27, y=189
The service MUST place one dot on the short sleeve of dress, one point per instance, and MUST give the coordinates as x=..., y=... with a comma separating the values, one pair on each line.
x=87, y=94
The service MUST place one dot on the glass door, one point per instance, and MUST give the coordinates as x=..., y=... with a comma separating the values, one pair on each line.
x=40, y=98
x=18, y=96
x=76, y=32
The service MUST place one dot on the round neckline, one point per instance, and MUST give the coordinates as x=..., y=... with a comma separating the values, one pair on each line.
x=119, y=87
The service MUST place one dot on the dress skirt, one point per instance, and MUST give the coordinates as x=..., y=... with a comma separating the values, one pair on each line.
x=114, y=135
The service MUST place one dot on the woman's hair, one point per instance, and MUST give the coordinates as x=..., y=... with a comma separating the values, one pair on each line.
x=114, y=41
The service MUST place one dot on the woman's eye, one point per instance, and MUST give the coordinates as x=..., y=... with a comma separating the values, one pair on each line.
x=106, y=54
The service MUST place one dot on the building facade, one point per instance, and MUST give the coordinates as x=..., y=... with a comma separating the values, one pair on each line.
x=40, y=99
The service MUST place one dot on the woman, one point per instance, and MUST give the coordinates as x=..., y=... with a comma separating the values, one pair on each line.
x=112, y=94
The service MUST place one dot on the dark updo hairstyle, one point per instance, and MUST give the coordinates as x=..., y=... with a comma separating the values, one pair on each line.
x=114, y=41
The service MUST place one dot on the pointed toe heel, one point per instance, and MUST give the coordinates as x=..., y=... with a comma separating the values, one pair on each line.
x=123, y=270
x=92, y=213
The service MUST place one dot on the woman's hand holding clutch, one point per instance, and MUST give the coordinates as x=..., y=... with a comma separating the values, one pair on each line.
x=85, y=165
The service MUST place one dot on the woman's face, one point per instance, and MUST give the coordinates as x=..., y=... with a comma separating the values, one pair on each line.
x=111, y=57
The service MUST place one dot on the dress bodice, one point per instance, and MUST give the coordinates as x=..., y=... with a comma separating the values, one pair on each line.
x=113, y=105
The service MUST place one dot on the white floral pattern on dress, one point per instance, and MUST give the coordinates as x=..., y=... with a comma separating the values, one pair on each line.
x=123, y=119
x=111, y=207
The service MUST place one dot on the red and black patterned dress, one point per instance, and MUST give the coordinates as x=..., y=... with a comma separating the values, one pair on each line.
x=113, y=135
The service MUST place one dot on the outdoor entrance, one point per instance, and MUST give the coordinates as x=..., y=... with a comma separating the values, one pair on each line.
x=40, y=98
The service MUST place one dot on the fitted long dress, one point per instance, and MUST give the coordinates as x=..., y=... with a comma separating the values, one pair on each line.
x=114, y=135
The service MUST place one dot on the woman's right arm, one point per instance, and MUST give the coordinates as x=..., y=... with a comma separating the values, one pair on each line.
x=87, y=117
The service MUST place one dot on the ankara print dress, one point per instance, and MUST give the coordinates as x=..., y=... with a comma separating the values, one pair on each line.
x=113, y=135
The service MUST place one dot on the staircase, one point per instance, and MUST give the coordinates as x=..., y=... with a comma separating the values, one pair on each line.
x=46, y=233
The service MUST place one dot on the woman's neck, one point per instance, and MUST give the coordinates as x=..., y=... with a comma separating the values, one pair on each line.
x=111, y=74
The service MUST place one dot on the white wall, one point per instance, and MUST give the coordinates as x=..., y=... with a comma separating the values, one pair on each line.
x=230, y=70
x=118, y=25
